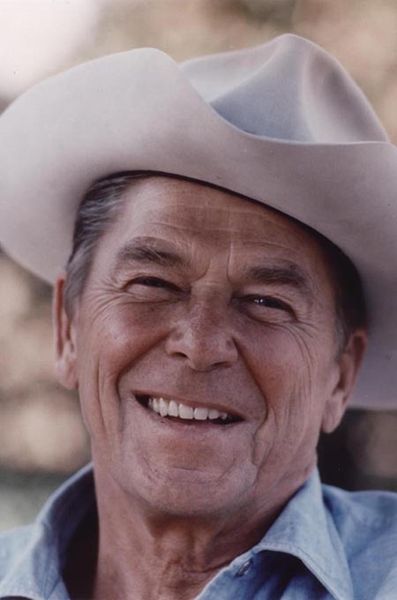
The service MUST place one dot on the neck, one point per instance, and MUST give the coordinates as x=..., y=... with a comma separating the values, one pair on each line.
x=143, y=554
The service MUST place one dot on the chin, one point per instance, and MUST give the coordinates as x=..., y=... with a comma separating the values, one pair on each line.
x=184, y=492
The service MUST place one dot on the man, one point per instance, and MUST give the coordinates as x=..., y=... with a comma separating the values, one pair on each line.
x=218, y=298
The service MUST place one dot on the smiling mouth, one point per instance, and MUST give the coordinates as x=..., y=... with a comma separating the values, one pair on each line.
x=179, y=412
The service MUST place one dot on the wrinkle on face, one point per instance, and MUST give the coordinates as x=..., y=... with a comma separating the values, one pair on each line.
x=208, y=244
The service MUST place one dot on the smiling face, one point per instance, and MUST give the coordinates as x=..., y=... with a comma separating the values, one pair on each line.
x=219, y=312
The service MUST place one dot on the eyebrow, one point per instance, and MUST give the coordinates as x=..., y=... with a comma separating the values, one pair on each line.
x=290, y=275
x=147, y=251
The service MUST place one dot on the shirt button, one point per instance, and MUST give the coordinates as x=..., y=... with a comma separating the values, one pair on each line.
x=245, y=567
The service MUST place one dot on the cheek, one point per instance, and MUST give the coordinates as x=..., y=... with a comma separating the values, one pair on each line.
x=116, y=336
x=110, y=340
x=290, y=369
x=281, y=359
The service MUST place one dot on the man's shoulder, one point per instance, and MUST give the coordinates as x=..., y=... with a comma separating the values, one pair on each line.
x=375, y=510
x=366, y=523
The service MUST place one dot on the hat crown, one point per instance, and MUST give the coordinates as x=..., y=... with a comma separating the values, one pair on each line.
x=287, y=89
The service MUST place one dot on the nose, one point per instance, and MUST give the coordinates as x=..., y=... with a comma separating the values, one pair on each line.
x=204, y=339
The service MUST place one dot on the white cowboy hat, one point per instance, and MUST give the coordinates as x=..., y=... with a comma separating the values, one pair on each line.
x=281, y=123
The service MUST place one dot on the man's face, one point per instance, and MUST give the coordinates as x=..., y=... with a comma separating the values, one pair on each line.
x=211, y=303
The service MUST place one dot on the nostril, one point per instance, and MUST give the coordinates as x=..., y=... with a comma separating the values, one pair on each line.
x=203, y=352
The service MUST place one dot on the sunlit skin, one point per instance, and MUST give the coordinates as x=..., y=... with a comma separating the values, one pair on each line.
x=201, y=296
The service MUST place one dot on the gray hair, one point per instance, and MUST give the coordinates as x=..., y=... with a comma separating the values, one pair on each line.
x=101, y=205
x=99, y=208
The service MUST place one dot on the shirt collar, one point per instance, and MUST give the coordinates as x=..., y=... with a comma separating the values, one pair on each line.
x=303, y=529
x=41, y=559
x=306, y=530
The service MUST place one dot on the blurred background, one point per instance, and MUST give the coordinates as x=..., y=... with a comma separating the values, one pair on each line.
x=42, y=437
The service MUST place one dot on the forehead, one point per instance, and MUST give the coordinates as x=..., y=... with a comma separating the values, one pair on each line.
x=157, y=205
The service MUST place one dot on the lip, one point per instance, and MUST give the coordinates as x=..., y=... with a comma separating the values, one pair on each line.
x=191, y=404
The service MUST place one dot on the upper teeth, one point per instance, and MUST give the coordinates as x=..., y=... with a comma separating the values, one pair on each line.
x=176, y=409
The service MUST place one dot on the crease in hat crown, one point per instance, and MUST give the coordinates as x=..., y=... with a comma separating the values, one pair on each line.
x=282, y=123
x=287, y=68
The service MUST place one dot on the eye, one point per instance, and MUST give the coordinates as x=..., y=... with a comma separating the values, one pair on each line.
x=268, y=302
x=267, y=308
x=155, y=282
x=151, y=289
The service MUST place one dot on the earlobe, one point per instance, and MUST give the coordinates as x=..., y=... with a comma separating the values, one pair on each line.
x=65, y=346
x=348, y=365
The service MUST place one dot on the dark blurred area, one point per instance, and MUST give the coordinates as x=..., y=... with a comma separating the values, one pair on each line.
x=42, y=436
x=361, y=453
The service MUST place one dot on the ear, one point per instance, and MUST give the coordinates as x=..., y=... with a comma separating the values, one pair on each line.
x=64, y=337
x=348, y=364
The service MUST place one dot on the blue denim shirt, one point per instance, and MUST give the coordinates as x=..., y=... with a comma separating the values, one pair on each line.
x=326, y=543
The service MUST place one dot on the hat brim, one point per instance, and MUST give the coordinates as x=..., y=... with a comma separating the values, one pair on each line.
x=137, y=111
